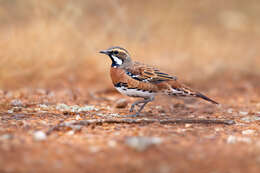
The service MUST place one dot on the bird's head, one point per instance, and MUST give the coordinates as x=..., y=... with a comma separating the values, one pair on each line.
x=118, y=55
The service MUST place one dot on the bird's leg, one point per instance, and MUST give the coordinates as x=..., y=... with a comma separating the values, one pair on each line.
x=136, y=103
x=145, y=101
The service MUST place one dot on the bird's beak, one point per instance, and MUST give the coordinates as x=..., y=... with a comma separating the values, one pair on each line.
x=104, y=52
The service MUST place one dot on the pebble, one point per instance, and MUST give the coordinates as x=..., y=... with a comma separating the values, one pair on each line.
x=62, y=107
x=142, y=143
x=10, y=111
x=230, y=111
x=39, y=136
x=19, y=116
x=188, y=125
x=248, y=132
x=249, y=119
x=16, y=102
x=121, y=103
x=75, y=108
x=71, y=132
x=218, y=129
x=243, y=113
x=114, y=115
x=112, y=143
x=87, y=108
x=234, y=139
x=43, y=106
x=78, y=117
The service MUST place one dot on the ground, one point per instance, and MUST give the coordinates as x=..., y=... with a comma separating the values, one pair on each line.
x=60, y=113
x=55, y=130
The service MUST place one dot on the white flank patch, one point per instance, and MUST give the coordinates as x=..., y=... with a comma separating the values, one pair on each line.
x=177, y=92
x=117, y=60
x=134, y=92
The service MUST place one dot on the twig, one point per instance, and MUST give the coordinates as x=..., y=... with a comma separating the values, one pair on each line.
x=138, y=121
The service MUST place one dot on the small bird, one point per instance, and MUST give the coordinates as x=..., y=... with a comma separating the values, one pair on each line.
x=136, y=79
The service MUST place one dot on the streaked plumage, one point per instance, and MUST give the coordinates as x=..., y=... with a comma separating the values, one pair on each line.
x=135, y=79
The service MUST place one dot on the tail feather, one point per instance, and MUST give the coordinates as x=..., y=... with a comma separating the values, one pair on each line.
x=205, y=98
x=178, y=89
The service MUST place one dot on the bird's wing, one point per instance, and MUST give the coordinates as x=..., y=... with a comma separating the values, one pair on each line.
x=145, y=73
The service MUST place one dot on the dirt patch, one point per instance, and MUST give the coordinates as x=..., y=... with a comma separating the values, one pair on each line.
x=77, y=130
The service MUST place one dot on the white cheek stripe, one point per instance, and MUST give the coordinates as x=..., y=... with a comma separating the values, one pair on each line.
x=117, y=60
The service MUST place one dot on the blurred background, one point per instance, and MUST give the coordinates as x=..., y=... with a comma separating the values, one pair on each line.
x=54, y=43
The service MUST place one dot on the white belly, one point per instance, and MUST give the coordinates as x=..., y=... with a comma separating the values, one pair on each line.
x=135, y=92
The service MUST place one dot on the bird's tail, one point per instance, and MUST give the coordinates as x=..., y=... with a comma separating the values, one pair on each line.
x=185, y=91
x=178, y=89
x=197, y=94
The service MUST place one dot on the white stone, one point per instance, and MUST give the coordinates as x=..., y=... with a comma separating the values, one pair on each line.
x=234, y=139
x=243, y=113
x=39, y=136
x=248, y=132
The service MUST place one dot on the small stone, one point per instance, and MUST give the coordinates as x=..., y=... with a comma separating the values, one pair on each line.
x=74, y=108
x=243, y=113
x=188, y=125
x=217, y=129
x=248, y=132
x=39, y=136
x=10, y=111
x=112, y=143
x=142, y=143
x=43, y=106
x=78, y=117
x=100, y=115
x=114, y=115
x=16, y=102
x=249, y=119
x=19, y=116
x=121, y=103
x=234, y=139
x=158, y=107
x=179, y=130
x=230, y=111
x=71, y=132
x=87, y=108
x=62, y=107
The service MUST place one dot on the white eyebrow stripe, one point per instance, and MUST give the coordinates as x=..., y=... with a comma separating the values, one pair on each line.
x=117, y=60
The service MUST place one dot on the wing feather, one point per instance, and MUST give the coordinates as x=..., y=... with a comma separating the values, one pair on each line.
x=145, y=73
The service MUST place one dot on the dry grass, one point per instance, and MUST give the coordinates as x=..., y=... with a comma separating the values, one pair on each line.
x=44, y=43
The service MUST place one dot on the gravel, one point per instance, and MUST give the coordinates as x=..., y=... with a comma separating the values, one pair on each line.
x=75, y=108
x=249, y=119
x=16, y=102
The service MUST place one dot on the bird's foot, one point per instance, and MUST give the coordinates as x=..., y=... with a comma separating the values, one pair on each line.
x=133, y=107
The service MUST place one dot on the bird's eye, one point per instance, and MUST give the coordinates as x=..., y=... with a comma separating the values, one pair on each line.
x=115, y=52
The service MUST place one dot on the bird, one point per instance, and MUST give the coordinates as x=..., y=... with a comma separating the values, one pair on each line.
x=137, y=79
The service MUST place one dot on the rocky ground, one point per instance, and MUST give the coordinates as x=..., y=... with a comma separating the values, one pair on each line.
x=81, y=130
